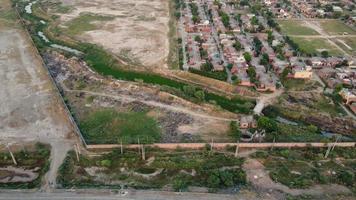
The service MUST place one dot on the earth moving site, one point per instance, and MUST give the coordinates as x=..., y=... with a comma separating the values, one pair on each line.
x=94, y=90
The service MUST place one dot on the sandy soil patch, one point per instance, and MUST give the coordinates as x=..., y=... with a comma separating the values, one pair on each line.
x=13, y=175
x=29, y=106
x=138, y=34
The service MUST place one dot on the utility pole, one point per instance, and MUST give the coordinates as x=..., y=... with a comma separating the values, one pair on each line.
x=237, y=149
x=331, y=147
x=12, y=155
x=138, y=142
x=212, y=144
x=121, y=148
x=274, y=140
x=76, y=151
x=143, y=153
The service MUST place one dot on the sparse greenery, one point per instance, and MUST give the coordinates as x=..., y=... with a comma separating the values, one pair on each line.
x=109, y=126
x=27, y=159
x=84, y=23
x=178, y=167
x=304, y=168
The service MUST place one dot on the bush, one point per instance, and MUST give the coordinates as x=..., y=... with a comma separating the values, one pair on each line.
x=347, y=178
x=105, y=163
x=180, y=184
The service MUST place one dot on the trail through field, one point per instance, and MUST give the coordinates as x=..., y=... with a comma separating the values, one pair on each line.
x=325, y=36
x=173, y=108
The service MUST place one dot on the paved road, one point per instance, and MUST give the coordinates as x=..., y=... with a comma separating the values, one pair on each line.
x=106, y=195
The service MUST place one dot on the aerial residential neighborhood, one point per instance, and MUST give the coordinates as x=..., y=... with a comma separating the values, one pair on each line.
x=178, y=99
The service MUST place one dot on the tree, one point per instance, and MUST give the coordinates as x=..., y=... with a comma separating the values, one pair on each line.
x=347, y=178
x=189, y=90
x=198, y=39
x=200, y=95
x=234, y=130
x=208, y=67
x=312, y=129
x=247, y=57
x=267, y=124
x=254, y=20
x=237, y=45
x=252, y=74
x=213, y=180
x=180, y=184
x=324, y=54
x=195, y=19
x=229, y=66
x=258, y=45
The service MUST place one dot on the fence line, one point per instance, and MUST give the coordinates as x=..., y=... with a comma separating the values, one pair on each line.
x=38, y=55
x=223, y=145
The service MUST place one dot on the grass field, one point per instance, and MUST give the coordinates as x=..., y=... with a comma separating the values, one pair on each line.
x=179, y=170
x=109, y=126
x=336, y=27
x=316, y=46
x=295, y=27
x=350, y=42
x=85, y=22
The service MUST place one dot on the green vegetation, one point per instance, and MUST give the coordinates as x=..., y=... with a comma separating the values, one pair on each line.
x=84, y=23
x=349, y=41
x=304, y=168
x=219, y=75
x=315, y=46
x=182, y=168
x=7, y=15
x=295, y=27
x=27, y=159
x=235, y=131
x=109, y=126
x=225, y=19
x=336, y=27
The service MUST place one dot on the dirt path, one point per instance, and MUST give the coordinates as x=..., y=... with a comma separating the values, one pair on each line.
x=259, y=178
x=173, y=108
x=324, y=35
x=58, y=153
x=265, y=100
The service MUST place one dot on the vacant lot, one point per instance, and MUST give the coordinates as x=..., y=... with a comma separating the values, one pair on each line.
x=177, y=170
x=296, y=27
x=108, y=126
x=30, y=107
x=135, y=31
x=316, y=46
x=336, y=27
x=305, y=168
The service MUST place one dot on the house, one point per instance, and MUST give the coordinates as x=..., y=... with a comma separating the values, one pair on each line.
x=302, y=72
x=337, y=9
x=348, y=96
x=353, y=107
x=248, y=122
